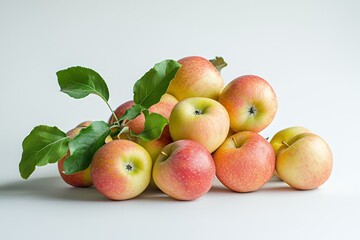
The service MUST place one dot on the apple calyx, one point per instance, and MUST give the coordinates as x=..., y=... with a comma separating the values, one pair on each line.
x=198, y=112
x=129, y=166
x=252, y=110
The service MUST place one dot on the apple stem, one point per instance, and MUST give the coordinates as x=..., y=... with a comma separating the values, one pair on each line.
x=164, y=153
x=235, y=143
x=285, y=143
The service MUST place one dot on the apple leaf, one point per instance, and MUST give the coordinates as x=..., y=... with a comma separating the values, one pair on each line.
x=79, y=82
x=218, y=63
x=84, y=145
x=132, y=112
x=154, y=125
x=43, y=145
x=149, y=89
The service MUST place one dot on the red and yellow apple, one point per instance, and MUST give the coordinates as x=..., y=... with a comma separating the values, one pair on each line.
x=244, y=162
x=121, y=169
x=184, y=170
x=305, y=161
x=79, y=179
x=197, y=77
x=251, y=103
x=203, y=120
x=163, y=107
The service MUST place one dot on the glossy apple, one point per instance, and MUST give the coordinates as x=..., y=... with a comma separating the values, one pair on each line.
x=79, y=179
x=121, y=169
x=197, y=77
x=305, y=161
x=184, y=170
x=285, y=135
x=203, y=120
x=251, y=103
x=244, y=162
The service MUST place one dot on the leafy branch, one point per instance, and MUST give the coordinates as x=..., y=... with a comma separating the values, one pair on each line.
x=47, y=144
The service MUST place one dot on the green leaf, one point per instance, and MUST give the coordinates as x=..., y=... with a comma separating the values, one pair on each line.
x=79, y=82
x=154, y=125
x=149, y=89
x=84, y=145
x=132, y=112
x=218, y=63
x=43, y=145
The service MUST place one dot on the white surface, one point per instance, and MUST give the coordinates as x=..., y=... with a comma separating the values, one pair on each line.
x=308, y=50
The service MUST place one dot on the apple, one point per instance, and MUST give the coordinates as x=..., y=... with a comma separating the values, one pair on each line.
x=163, y=107
x=120, y=110
x=305, y=161
x=244, y=162
x=121, y=169
x=79, y=179
x=251, y=103
x=184, y=170
x=285, y=135
x=197, y=77
x=203, y=120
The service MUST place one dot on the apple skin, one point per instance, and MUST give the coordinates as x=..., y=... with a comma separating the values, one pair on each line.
x=79, y=179
x=306, y=163
x=184, y=170
x=244, y=162
x=251, y=103
x=203, y=120
x=197, y=77
x=111, y=174
x=285, y=135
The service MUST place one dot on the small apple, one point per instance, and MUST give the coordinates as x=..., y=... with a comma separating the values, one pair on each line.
x=203, y=120
x=251, y=103
x=285, y=135
x=197, y=77
x=184, y=170
x=244, y=162
x=305, y=161
x=121, y=169
x=120, y=110
x=79, y=179
x=163, y=107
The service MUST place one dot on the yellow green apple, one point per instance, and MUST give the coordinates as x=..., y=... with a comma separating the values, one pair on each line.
x=251, y=103
x=197, y=77
x=285, y=135
x=203, y=120
x=305, y=161
x=121, y=169
x=244, y=162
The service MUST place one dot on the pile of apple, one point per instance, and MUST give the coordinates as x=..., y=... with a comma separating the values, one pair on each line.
x=213, y=131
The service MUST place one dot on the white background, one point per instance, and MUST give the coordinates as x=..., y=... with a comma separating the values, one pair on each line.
x=309, y=51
